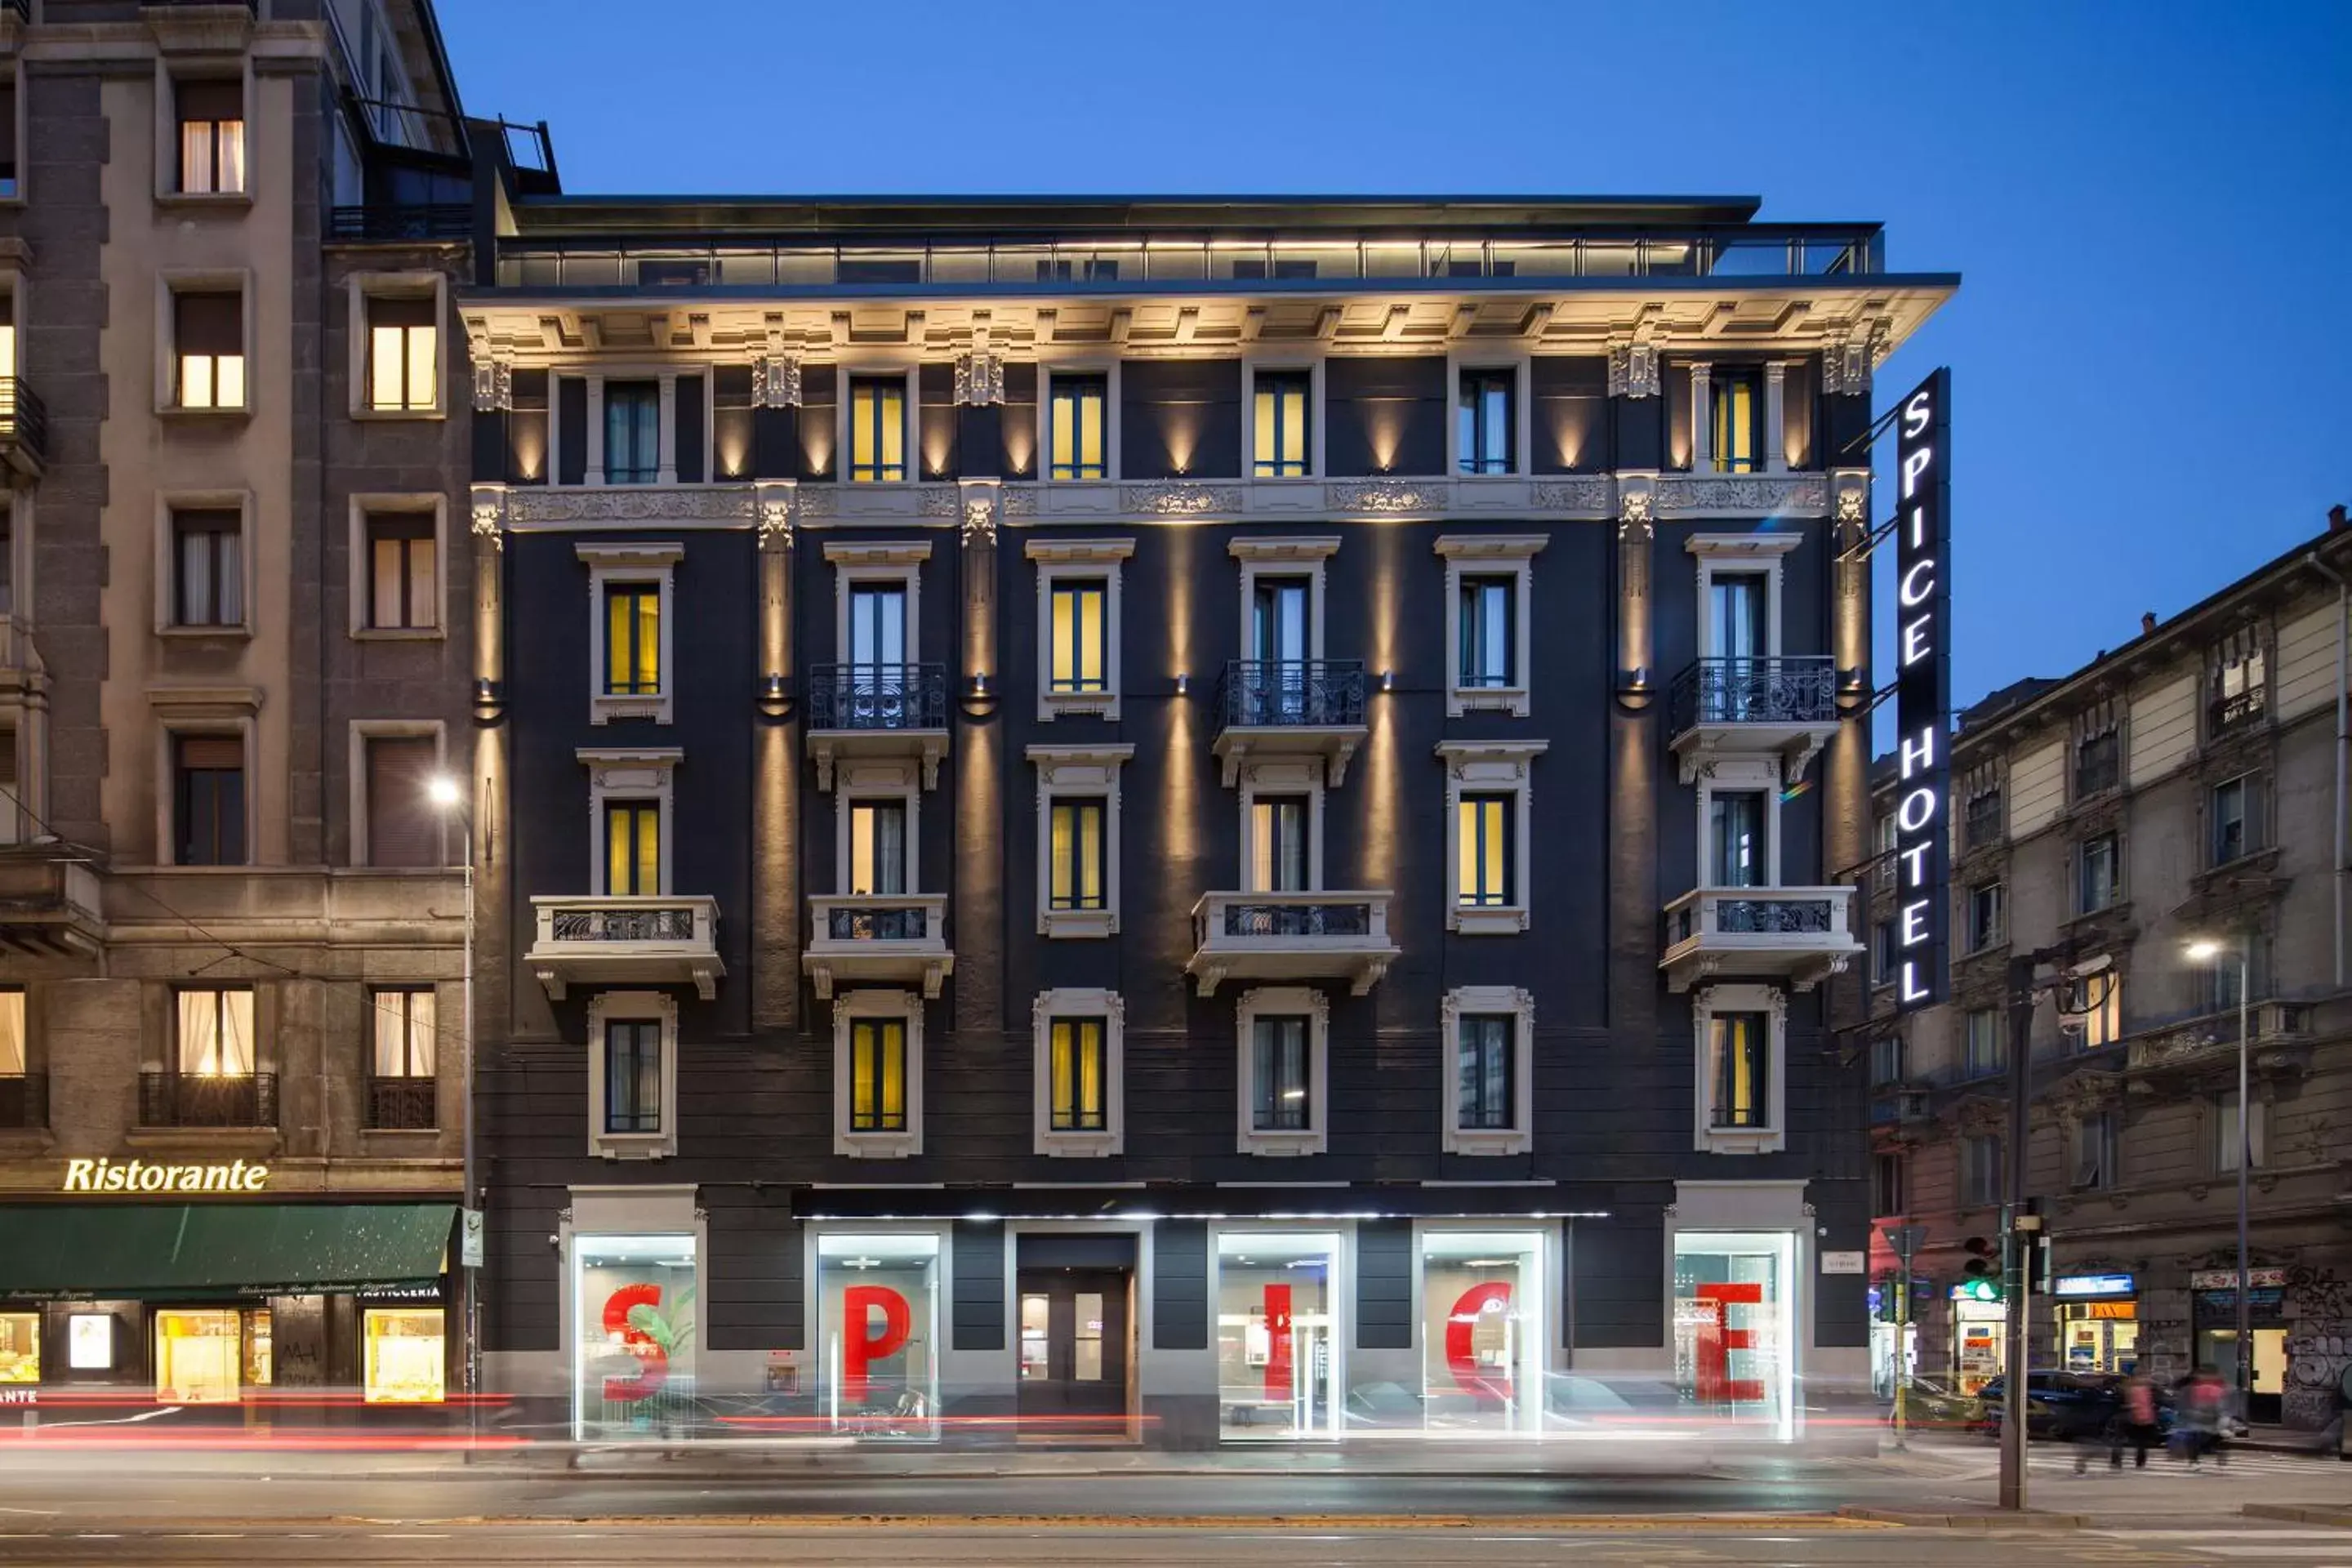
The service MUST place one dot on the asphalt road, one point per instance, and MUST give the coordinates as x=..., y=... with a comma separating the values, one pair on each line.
x=1213, y=1547
x=1586, y=1507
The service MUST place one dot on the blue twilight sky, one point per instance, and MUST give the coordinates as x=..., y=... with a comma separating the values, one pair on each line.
x=2150, y=201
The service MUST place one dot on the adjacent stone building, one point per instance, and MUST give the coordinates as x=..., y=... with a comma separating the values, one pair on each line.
x=235, y=655
x=2190, y=786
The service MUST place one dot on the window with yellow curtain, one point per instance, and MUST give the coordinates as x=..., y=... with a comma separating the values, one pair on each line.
x=633, y=640
x=1077, y=855
x=1484, y=874
x=1281, y=399
x=1741, y=1045
x=216, y=1033
x=12, y=1033
x=877, y=1075
x=1076, y=1059
x=632, y=847
x=1077, y=428
x=1739, y=421
x=1080, y=637
x=877, y=430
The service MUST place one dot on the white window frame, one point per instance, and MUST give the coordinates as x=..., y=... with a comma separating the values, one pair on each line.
x=1736, y=555
x=1735, y=776
x=387, y=503
x=1080, y=1003
x=1284, y=1001
x=1252, y=366
x=1705, y=1003
x=1086, y=773
x=1284, y=558
x=639, y=773
x=1490, y=767
x=1281, y=778
x=1490, y=555
x=1081, y=560
x=167, y=139
x=1522, y=413
x=901, y=564
x=362, y=730
x=665, y=377
x=616, y=1006
x=1485, y=1001
x=848, y=1005
x=877, y=780
x=1108, y=369
x=913, y=412
x=363, y=287
x=167, y=561
x=172, y=282
x=200, y=713
x=610, y=563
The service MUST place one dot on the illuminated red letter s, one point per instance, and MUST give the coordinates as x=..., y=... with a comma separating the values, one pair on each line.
x=1461, y=1324
x=653, y=1361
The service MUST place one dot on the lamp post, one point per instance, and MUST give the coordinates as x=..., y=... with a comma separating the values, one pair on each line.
x=448, y=797
x=2209, y=950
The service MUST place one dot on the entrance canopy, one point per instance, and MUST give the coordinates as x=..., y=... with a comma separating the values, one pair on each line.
x=192, y=1251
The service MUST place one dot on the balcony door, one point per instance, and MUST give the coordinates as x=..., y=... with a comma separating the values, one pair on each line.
x=878, y=848
x=1735, y=826
x=1278, y=858
x=1739, y=634
x=877, y=626
x=1282, y=639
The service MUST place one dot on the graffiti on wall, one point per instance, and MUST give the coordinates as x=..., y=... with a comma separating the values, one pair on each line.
x=2319, y=1346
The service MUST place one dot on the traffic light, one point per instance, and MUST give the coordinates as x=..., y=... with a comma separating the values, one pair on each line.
x=1980, y=1270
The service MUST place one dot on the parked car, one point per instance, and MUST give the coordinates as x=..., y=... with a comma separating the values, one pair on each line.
x=2068, y=1405
x=1932, y=1404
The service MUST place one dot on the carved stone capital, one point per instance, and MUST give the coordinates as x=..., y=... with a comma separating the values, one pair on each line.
x=980, y=513
x=493, y=386
x=1633, y=369
x=489, y=515
x=773, y=515
x=776, y=381
x=1637, y=496
x=979, y=377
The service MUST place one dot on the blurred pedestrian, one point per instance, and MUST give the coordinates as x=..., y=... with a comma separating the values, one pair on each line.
x=2200, y=1397
x=2135, y=1423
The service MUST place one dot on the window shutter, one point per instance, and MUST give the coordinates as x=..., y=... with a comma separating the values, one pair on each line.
x=208, y=323
x=401, y=827
x=215, y=99
x=213, y=751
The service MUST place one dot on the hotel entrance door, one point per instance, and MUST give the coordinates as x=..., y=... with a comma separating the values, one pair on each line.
x=1074, y=1352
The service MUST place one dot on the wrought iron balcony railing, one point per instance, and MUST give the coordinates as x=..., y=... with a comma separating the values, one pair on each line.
x=1318, y=935
x=1304, y=693
x=877, y=697
x=1280, y=920
x=878, y=921
x=2239, y=711
x=221, y=1100
x=24, y=1100
x=399, y=222
x=641, y=938
x=24, y=419
x=629, y=922
x=1798, y=688
x=401, y=1104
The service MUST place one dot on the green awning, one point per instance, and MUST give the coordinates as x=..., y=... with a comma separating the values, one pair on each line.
x=185, y=1251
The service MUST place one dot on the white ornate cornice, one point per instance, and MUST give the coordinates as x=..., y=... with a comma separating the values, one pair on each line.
x=1177, y=498
x=1386, y=497
x=646, y=503
x=1735, y=495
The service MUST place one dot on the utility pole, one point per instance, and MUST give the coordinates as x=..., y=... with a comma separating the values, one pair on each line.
x=1904, y=1240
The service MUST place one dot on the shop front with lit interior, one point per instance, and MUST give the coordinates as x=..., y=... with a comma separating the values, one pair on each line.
x=1179, y=1330
x=2098, y=1321
x=308, y=1311
x=1980, y=1335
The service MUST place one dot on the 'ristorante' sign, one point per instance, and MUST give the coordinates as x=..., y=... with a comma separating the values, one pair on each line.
x=138, y=1176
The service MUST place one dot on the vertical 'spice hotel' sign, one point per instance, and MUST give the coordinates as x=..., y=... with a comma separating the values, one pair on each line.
x=1923, y=694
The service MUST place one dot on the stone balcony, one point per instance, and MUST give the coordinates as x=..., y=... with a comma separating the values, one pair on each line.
x=1310, y=708
x=891, y=939
x=1291, y=936
x=1799, y=934
x=625, y=940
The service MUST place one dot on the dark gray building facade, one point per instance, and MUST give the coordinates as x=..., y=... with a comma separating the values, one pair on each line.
x=1189, y=821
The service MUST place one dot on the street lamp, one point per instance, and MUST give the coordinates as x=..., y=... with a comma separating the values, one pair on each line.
x=447, y=795
x=2207, y=950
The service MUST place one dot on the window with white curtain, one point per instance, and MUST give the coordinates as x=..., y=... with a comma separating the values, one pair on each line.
x=215, y=1037
x=404, y=1033
x=12, y=1033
